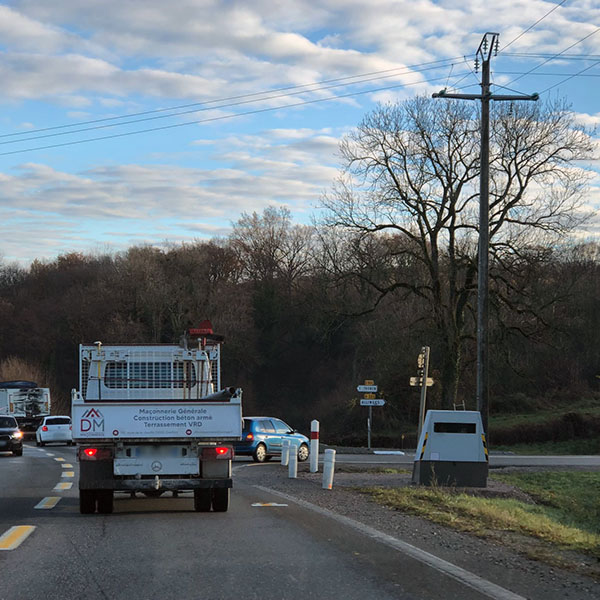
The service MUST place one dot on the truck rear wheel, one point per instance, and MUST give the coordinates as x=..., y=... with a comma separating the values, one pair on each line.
x=105, y=502
x=202, y=500
x=220, y=499
x=87, y=502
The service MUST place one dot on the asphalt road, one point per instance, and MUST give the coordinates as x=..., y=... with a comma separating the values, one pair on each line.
x=496, y=460
x=161, y=548
x=264, y=547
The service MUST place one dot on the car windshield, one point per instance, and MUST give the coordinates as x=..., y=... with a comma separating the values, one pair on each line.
x=8, y=422
x=58, y=421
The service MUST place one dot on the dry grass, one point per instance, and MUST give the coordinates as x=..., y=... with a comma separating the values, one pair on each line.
x=536, y=530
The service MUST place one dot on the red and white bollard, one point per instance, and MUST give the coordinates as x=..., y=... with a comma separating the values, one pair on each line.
x=314, y=446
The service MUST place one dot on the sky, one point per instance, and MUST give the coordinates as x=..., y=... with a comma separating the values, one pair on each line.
x=128, y=122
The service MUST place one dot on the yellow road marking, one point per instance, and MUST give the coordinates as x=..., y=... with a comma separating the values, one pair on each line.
x=14, y=536
x=68, y=474
x=66, y=466
x=48, y=502
x=65, y=485
x=59, y=459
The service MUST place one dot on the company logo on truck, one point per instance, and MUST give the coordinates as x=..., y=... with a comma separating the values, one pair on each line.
x=92, y=421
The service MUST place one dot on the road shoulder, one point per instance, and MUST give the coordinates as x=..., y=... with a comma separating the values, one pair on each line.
x=485, y=558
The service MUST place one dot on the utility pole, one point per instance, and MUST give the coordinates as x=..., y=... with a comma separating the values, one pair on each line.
x=487, y=47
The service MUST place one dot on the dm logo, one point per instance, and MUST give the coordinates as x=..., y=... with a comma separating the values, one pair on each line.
x=92, y=421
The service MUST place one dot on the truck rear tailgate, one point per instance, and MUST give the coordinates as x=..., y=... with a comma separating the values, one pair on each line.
x=107, y=421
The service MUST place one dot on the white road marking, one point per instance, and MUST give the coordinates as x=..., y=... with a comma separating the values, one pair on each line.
x=66, y=466
x=12, y=538
x=489, y=589
x=48, y=502
x=68, y=474
x=268, y=504
x=49, y=454
x=59, y=459
x=65, y=485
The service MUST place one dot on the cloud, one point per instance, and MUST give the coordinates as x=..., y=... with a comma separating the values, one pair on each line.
x=163, y=201
x=106, y=57
x=19, y=31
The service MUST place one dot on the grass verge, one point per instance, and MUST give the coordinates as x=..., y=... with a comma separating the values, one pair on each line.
x=571, y=498
x=586, y=446
x=560, y=527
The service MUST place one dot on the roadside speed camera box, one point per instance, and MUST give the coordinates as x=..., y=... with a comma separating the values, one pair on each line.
x=452, y=450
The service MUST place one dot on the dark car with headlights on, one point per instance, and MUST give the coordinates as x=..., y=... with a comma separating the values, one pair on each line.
x=262, y=439
x=11, y=437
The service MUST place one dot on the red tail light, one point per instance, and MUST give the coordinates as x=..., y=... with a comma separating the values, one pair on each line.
x=213, y=452
x=95, y=453
x=44, y=428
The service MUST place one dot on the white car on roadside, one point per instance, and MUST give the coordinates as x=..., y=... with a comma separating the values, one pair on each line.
x=56, y=428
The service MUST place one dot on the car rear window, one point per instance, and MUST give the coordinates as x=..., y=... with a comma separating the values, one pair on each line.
x=8, y=422
x=59, y=421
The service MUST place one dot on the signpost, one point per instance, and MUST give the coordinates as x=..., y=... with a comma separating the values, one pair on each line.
x=372, y=402
x=422, y=370
x=366, y=388
x=418, y=381
x=369, y=389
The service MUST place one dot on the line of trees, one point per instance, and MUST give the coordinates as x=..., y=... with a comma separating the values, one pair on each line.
x=310, y=311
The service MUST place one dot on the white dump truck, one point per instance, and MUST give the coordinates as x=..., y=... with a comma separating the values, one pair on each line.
x=154, y=419
x=25, y=401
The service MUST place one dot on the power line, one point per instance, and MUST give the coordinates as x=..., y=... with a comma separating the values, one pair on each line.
x=556, y=55
x=546, y=55
x=532, y=26
x=550, y=74
x=222, y=117
x=206, y=108
x=470, y=72
x=507, y=88
x=394, y=71
x=570, y=77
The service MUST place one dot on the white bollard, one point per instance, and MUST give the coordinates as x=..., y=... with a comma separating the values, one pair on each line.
x=293, y=464
x=328, y=469
x=314, y=446
x=285, y=452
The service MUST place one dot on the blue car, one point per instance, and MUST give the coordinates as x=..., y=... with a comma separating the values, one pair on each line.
x=262, y=438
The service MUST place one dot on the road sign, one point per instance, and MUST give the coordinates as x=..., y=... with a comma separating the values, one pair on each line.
x=372, y=402
x=369, y=382
x=369, y=396
x=366, y=388
x=418, y=381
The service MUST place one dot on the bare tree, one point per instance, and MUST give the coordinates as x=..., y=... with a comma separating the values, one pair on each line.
x=270, y=248
x=410, y=176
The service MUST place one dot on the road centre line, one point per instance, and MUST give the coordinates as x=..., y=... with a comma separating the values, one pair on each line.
x=66, y=466
x=489, y=589
x=68, y=474
x=65, y=485
x=59, y=459
x=12, y=538
x=48, y=502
